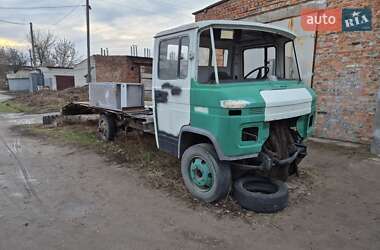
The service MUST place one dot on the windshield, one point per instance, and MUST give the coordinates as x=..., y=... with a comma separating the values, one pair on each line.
x=235, y=55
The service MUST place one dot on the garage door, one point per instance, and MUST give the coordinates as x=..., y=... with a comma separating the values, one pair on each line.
x=19, y=84
x=65, y=82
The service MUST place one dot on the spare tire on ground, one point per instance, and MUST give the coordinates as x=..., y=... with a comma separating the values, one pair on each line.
x=261, y=194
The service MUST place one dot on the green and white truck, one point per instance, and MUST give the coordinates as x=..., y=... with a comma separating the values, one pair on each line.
x=227, y=95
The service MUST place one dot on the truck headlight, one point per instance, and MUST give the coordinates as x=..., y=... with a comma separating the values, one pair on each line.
x=234, y=104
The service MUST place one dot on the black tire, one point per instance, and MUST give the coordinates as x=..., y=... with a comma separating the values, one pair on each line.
x=261, y=194
x=106, y=128
x=49, y=119
x=221, y=173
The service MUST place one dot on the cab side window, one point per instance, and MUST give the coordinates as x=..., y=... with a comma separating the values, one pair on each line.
x=173, y=58
x=168, y=59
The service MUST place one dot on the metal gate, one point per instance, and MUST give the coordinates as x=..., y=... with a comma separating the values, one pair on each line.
x=65, y=82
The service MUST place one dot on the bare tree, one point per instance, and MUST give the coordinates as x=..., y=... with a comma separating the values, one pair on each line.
x=64, y=54
x=44, y=44
x=3, y=68
x=51, y=51
x=3, y=57
x=10, y=59
x=13, y=57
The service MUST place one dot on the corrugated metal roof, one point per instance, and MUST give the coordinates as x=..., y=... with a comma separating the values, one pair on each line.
x=230, y=24
x=57, y=67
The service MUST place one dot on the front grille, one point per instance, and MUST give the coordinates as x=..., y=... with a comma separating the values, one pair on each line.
x=250, y=134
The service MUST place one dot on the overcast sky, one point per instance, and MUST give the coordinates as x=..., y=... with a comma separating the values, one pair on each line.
x=114, y=24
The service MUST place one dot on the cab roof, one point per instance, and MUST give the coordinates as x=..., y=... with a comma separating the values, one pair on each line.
x=230, y=24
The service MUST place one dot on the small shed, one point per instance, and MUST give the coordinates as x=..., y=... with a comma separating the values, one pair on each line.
x=54, y=78
x=58, y=78
x=20, y=80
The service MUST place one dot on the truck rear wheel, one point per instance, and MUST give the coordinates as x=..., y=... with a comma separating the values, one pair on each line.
x=106, y=128
x=207, y=178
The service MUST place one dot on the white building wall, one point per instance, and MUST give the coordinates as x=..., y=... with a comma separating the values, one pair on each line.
x=50, y=73
x=80, y=73
x=304, y=44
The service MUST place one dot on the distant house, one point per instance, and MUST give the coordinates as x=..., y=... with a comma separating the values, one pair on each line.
x=30, y=79
x=20, y=80
x=131, y=69
x=58, y=78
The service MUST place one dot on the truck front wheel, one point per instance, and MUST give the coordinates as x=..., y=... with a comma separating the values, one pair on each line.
x=207, y=178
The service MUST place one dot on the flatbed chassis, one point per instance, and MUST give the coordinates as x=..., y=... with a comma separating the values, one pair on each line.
x=140, y=118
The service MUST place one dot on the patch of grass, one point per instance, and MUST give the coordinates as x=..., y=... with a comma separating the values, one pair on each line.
x=5, y=108
x=81, y=137
x=77, y=136
x=20, y=106
x=25, y=108
x=11, y=107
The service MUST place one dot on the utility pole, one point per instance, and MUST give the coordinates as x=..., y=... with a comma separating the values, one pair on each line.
x=31, y=57
x=32, y=40
x=88, y=7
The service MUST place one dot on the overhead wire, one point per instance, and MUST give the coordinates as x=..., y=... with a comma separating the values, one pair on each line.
x=74, y=7
x=40, y=7
x=67, y=15
x=11, y=22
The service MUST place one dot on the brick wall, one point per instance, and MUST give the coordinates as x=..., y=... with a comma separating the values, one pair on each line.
x=347, y=66
x=119, y=68
x=347, y=71
x=235, y=9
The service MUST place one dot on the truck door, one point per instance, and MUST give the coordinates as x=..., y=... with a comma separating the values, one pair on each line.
x=171, y=90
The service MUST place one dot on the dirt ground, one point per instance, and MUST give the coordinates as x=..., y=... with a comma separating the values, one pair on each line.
x=46, y=101
x=159, y=170
x=61, y=193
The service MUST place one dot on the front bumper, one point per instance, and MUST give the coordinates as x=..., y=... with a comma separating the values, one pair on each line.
x=266, y=163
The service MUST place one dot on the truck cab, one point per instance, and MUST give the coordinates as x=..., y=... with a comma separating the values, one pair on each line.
x=229, y=95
